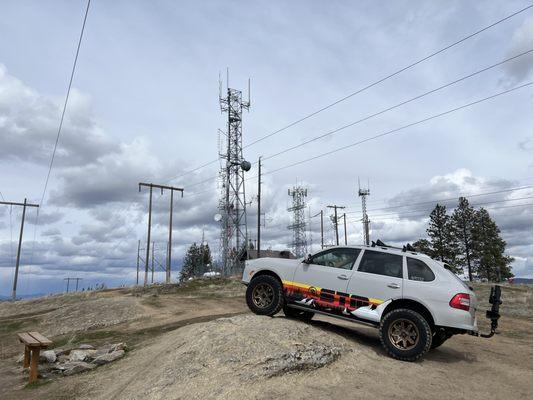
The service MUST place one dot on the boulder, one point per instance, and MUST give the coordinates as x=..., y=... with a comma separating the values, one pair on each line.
x=103, y=350
x=76, y=367
x=85, y=347
x=48, y=356
x=109, y=357
x=82, y=355
x=119, y=346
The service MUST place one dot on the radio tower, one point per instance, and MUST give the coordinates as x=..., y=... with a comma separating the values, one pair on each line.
x=366, y=222
x=299, y=243
x=232, y=205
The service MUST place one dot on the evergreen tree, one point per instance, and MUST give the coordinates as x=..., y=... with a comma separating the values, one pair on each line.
x=462, y=223
x=188, y=270
x=443, y=243
x=490, y=260
x=205, y=258
x=423, y=246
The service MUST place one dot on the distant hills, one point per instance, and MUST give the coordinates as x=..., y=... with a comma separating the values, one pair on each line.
x=524, y=281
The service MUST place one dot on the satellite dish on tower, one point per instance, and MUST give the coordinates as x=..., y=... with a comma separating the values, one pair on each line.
x=246, y=165
x=218, y=217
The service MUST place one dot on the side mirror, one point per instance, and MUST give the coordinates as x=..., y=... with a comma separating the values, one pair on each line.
x=307, y=260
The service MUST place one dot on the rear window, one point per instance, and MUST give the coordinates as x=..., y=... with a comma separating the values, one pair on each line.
x=418, y=270
x=375, y=262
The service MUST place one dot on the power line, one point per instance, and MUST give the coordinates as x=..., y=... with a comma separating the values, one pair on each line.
x=375, y=83
x=487, y=208
x=446, y=199
x=59, y=130
x=400, y=128
x=334, y=131
x=66, y=102
x=473, y=205
x=337, y=130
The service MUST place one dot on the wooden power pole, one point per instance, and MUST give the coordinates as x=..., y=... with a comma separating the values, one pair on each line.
x=321, y=213
x=345, y=234
x=259, y=210
x=336, y=222
x=169, y=259
x=23, y=205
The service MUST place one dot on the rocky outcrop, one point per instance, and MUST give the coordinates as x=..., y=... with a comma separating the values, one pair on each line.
x=83, y=358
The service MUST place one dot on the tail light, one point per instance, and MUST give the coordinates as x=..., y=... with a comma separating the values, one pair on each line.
x=461, y=301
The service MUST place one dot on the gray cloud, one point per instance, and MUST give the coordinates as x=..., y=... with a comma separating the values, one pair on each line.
x=520, y=42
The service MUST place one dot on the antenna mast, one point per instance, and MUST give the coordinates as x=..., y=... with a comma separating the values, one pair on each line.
x=299, y=243
x=232, y=204
x=366, y=222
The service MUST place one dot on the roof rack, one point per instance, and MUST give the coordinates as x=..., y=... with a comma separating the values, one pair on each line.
x=405, y=248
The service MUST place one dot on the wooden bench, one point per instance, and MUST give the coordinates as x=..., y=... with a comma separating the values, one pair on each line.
x=33, y=343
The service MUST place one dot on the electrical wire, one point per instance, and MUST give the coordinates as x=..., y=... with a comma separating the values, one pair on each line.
x=392, y=131
x=60, y=127
x=446, y=199
x=337, y=130
x=364, y=88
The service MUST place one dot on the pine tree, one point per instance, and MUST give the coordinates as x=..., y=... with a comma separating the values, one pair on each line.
x=488, y=247
x=462, y=222
x=443, y=243
x=190, y=263
x=423, y=246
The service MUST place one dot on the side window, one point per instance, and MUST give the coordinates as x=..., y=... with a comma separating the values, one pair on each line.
x=418, y=270
x=336, y=258
x=375, y=262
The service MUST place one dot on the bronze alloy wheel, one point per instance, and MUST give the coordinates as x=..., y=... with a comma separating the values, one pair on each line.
x=403, y=334
x=263, y=295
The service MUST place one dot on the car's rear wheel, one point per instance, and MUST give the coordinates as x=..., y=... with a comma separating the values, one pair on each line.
x=264, y=295
x=405, y=334
x=295, y=313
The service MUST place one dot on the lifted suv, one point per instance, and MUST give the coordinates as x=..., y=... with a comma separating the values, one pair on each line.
x=416, y=303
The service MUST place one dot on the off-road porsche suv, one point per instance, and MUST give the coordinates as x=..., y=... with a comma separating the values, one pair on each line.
x=414, y=300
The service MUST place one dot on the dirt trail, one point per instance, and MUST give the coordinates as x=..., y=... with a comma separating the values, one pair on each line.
x=183, y=349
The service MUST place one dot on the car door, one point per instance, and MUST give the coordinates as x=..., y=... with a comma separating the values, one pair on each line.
x=326, y=273
x=377, y=278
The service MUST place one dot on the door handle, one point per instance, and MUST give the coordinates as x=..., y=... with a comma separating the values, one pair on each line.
x=343, y=277
x=393, y=285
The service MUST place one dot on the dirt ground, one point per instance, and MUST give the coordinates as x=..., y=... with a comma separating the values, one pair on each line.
x=199, y=342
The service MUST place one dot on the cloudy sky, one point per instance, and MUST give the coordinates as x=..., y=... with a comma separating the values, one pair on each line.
x=144, y=107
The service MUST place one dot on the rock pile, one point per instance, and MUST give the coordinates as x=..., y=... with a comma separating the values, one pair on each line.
x=79, y=359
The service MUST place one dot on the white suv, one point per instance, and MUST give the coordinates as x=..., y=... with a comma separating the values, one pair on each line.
x=415, y=302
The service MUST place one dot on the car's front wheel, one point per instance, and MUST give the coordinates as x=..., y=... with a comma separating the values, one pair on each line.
x=405, y=334
x=264, y=295
x=295, y=313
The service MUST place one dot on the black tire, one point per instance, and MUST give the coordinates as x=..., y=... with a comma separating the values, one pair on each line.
x=273, y=301
x=439, y=337
x=415, y=329
x=298, y=314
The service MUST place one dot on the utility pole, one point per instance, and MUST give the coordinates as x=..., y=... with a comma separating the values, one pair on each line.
x=161, y=187
x=153, y=251
x=23, y=205
x=259, y=209
x=321, y=213
x=336, y=221
x=138, y=251
x=366, y=222
x=72, y=279
x=345, y=234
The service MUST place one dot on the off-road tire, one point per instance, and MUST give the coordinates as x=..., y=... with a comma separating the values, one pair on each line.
x=423, y=342
x=439, y=337
x=272, y=307
x=295, y=313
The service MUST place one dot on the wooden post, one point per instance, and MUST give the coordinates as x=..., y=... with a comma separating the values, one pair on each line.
x=345, y=234
x=34, y=367
x=26, y=356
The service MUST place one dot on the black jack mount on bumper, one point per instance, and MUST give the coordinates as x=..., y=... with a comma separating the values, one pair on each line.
x=494, y=313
